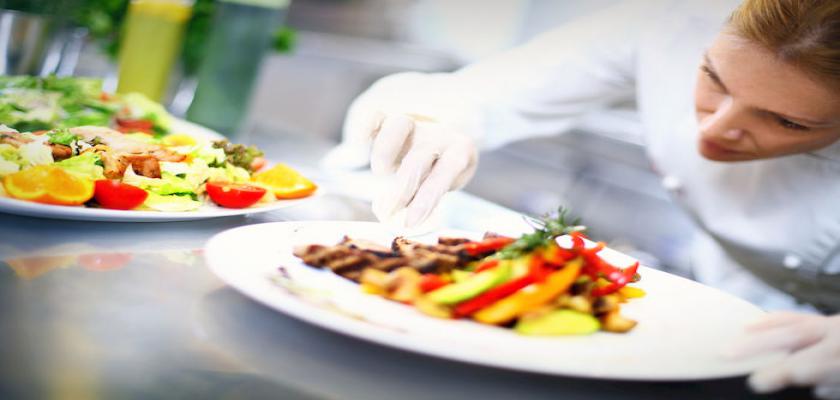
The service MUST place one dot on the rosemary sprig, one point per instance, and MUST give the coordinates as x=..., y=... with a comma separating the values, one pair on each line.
x=546, y=229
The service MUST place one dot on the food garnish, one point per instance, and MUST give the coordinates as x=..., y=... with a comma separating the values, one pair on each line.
x=530, y=283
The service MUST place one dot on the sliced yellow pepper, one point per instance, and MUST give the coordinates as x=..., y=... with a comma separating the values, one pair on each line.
x=631, y=292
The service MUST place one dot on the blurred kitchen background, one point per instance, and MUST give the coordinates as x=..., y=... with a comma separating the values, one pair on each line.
x=340, y=47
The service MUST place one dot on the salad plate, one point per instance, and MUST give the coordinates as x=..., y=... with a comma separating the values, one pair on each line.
x=69, y=150
x=30, y=209
x=682, y=329
x=208, y=210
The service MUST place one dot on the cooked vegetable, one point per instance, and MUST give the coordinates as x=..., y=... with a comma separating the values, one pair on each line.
x=558, y=322
x=614, y=322
x=458, y=292
x=531, y=282
x=532, y=297
x=488, y=245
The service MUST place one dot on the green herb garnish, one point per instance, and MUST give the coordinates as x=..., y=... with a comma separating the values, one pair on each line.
x=546, y=229
x=238, y=154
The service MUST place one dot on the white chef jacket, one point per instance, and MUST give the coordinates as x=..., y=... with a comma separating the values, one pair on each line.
x=770, y=229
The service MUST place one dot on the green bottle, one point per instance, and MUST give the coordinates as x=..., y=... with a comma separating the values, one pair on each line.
x=238, y=39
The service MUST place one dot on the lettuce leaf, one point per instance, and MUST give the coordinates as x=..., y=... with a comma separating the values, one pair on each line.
x=35, y=153
x=171, y=203
x=87, y=165
x=167, y=184
x=8, y=167
x=62, y=136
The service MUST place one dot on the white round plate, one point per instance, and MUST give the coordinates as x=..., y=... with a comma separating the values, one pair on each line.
x=32, y=209
x=682, y=326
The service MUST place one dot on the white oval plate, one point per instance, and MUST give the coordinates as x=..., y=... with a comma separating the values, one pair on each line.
x=32, y=209
x=682, y=325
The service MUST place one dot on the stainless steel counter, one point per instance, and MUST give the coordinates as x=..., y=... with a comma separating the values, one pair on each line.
x=119, y=310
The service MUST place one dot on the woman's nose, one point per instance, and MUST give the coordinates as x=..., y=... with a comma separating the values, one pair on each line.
x=723, y=123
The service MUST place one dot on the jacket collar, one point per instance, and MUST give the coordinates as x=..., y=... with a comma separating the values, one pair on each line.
x=830, y=153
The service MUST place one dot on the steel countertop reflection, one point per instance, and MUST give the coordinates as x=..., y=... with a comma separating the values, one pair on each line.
x=127, y=310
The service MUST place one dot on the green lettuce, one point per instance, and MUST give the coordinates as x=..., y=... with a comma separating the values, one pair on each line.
x=11, y=154
x=167, y=184
x=35, y=153
x=8, y=167
x=62, y=136
x=87, y=165
x=171, y=202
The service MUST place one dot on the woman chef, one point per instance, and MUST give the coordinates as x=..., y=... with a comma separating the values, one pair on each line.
x=741, y=111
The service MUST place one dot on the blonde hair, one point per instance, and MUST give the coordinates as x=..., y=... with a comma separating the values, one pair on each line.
x=805, y=33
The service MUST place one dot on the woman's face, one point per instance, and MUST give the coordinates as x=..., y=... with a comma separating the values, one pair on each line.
x=750, y=105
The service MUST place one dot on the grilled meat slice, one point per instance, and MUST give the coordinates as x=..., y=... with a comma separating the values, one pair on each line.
x=114, y=167
x=14, y=138
x=143, y=164
x=432, y=258
x=450, y=241
x=168, y=155
x=350, y=257
x=341, y=259
x=122, y=144
x=367, y=245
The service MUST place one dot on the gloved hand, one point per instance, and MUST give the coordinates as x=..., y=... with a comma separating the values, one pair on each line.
x=422, y=157
x=813, y=346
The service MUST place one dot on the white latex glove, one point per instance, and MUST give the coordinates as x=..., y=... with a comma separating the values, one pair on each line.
x=423, y=160
x=813, y=346
x=414, y=130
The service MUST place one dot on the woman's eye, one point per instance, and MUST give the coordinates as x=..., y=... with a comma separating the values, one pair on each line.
x=788, y=124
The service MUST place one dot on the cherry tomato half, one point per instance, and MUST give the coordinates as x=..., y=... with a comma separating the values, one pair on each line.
x=118, y=195
x=134, y=125
x=234, y=195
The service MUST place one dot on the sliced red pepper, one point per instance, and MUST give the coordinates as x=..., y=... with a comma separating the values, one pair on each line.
x=556, y=255
x=487, y=245
x=429, y=282
x=618, y=280
x=577, y=241
x=491, y=296
x=537, y=272
x=537, y=268
x=134, y=125
x=594, y=250
x=486, y=265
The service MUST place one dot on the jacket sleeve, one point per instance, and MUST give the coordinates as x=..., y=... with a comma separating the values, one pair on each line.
x=537, y=89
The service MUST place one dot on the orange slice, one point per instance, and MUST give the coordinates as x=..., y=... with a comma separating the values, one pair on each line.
x=48, y=184
x=285, y=182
